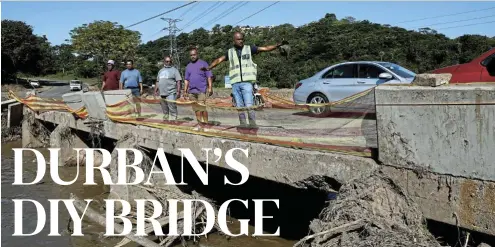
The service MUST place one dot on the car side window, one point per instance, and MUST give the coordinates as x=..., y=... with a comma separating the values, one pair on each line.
x=328, y=74
x=345, y=71
x=488, y=59
x=369, y=71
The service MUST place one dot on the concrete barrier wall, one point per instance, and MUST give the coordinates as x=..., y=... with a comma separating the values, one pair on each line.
x=95, y=105
x=73, y=100
x=14, y=115
x=440, y=197
x=446, y=130
x=115, y=96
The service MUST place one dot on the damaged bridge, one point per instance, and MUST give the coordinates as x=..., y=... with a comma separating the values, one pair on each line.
x=436, y=143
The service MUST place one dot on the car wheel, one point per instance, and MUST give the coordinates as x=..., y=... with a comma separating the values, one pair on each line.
x=318, y=111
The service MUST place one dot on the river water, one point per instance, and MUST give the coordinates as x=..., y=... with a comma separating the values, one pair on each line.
x=47, y=189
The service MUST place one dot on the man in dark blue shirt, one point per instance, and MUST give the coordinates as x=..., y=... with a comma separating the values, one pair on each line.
x=242, y=89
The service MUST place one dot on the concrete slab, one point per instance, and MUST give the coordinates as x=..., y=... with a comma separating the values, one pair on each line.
x=452, y=200
x=432, y=80
x=115, y=96
x=14, y=115
x=285, y=167
x=6, y=103
x=445, y=130
x=95, y=105
x=63, y=138
x=29, y=140
x=73, y=100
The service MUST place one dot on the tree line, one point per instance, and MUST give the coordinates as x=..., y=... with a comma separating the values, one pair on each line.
x=314, y=46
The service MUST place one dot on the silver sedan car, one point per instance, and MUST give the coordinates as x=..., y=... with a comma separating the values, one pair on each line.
x=345, y=79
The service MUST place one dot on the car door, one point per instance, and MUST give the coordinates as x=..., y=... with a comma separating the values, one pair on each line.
x=339, y=82
x=488, y=69
x=368, y=76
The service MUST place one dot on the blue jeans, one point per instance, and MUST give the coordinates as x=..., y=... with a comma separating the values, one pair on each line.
x=243, y=96
x=135, y=91
x=169, y=108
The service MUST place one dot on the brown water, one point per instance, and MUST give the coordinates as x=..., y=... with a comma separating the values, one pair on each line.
x=47, y=189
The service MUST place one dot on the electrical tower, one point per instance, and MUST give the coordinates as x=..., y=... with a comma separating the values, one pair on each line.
x=172, y=31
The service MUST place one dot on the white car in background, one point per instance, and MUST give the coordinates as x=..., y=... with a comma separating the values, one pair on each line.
x=35, y=83
x=342, y=80
x=75, y=85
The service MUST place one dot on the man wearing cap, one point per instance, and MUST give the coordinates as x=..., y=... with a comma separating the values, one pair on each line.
x=111, y=77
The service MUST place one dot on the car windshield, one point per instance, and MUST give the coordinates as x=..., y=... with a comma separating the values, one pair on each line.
x=400, y=71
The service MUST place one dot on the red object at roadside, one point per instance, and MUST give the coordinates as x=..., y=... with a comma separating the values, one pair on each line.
x=111, y=79
x=480, y=69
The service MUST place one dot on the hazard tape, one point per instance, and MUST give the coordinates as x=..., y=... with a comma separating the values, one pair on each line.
x=281, y=102
x=125, y=112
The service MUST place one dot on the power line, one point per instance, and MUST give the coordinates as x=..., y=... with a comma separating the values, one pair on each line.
x=458, y=13
x=473, y=24
x=230, y=11
x=413, y=29
x=189, y=9
x=257, y=12
x=201, y=15
x=153, y=17
x=441, y=23
x=153, y=35
x=216, y=17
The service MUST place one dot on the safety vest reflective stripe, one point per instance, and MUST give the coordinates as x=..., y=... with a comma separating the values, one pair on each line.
x=243, y=66
x=231, y=60
x=243, y=70
x=243, y=75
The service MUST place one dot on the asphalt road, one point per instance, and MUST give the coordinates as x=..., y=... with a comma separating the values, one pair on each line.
x=54, y=89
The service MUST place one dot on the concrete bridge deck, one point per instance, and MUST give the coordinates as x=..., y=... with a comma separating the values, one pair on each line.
x=434, y=142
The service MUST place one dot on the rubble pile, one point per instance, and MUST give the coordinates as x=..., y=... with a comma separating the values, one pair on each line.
x=370, y=211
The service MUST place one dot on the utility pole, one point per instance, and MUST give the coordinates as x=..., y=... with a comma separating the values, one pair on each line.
x=172, y=31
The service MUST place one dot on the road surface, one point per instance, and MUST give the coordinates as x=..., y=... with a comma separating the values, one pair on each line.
x=54, y=89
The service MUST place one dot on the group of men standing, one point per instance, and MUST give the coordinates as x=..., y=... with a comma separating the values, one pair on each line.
x=127, y=79
x=197, y=87
x=198, y=80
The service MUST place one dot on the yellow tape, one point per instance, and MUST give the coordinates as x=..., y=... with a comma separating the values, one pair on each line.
x=128, y=116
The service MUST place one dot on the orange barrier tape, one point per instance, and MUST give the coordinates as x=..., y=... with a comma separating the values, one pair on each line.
x=125, y=112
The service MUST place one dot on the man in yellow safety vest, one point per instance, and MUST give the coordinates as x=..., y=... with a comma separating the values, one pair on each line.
x=242, y=72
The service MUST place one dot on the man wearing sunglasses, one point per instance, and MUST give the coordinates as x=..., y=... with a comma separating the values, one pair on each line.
x=168, y=84
x=131, y=79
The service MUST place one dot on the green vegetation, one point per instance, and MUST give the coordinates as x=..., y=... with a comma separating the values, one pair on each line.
x=313, y=47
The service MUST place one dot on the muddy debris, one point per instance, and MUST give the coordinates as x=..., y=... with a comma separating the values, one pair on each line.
x=370, y=211
x=9, y=134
